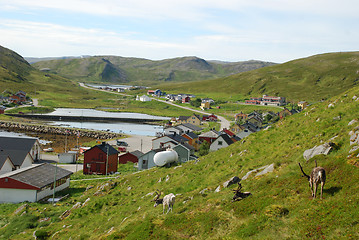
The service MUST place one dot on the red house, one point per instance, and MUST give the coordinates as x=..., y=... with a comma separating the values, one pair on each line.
x=186, y=99
x=130, y=157
x=210, y=118
x=97, y=157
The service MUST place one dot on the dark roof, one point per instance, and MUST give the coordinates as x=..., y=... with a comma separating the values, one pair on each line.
x=226, y=138
x=39, y=176
x=191, y=126
x=137, y=153
x=17, y=148
x=183, y=118
x=106, y=148
x=178, y=138
x=3, y=158
x=192, y=135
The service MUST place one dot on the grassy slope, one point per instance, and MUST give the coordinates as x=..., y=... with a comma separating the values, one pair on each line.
x=280, y=207
x=312, y=79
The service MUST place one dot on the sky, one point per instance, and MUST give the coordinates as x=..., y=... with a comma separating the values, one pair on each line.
x=226, y=30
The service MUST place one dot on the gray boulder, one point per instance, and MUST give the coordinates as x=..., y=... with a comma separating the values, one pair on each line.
x=231, y=181
x=317, y=150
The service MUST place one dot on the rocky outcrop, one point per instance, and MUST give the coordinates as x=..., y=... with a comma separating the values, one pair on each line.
x=317, y=150
x=57, y=130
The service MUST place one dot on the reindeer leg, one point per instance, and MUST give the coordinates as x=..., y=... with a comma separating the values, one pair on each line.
x=321, y=190
x=315, y=189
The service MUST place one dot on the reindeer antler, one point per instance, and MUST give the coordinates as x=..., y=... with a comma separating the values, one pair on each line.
x=158, y=194
x=305, y=175
x=238, y=189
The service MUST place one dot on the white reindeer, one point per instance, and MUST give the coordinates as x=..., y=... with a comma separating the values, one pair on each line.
x=167, y=201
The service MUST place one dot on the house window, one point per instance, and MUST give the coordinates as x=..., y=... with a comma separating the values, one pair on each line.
x=144, y=162
x=220, y=143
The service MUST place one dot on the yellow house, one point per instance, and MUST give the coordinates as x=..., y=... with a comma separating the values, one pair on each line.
x=205, y=105
x=303, y=104
x=194, y=119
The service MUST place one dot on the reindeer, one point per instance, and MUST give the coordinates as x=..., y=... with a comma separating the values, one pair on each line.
x=316, y=176
x=238, y=195
x=168, y=200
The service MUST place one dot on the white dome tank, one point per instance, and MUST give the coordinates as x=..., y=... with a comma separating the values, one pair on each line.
x=164, y=157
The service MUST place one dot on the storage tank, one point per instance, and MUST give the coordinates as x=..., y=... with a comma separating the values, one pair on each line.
x=164, y=157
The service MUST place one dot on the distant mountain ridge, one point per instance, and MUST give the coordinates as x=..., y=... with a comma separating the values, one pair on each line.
x=116, y=69
x=313, y=78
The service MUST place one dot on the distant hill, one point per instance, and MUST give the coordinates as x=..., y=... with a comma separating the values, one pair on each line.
x=115, y=69
x=313, y=78
x=13, y=67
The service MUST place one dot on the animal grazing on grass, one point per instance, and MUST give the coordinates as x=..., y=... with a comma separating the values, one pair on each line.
x=167, y=201
x=238, y=195
x=317, y=176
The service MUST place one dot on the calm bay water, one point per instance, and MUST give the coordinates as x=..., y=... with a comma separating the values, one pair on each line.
x=116, y=127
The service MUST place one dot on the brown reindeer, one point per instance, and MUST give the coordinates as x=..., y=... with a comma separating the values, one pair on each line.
x=238, y=195
x=316, y=176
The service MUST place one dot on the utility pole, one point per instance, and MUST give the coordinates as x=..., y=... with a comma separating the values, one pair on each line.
x=107, y=160
x=53, y=194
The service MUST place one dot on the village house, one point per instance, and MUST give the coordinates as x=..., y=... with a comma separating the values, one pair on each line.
x=100, y=159
x=186, y=99
x=267, y=101
x=194, y=119
x=168, y=141
x=210, y=118
x=173, y=130
x=146, y=160
x=188, y=127
x=209, y=136
x=6, y=164
x=2, y=109
x=255, y=120
x=23, y=151
x=205, y=105
x=221, y=142
x=193, y=139
x=130, y=157
x=240, y=116
x=143, y=98
x=185, y=153
x=302, y=104
x=33, y=183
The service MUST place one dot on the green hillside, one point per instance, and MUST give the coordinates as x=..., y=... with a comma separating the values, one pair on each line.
x=122, y=70
x=312, y=79
x=280, y=206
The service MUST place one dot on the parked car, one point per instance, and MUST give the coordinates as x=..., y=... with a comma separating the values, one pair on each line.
x=122, y=143
x=122, y=149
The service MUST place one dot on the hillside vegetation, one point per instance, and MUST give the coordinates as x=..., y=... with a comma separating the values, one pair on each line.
x=122, y=70
x=312, y=79
x=280, y=206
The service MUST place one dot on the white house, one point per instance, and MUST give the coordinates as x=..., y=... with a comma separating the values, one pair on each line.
x=33, y=183
x=6, y=164
x=221, y=142
x=143, y=98
x=23, y=151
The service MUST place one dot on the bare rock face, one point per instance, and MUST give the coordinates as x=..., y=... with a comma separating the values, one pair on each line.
x=317, y=150
x=231, y=181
